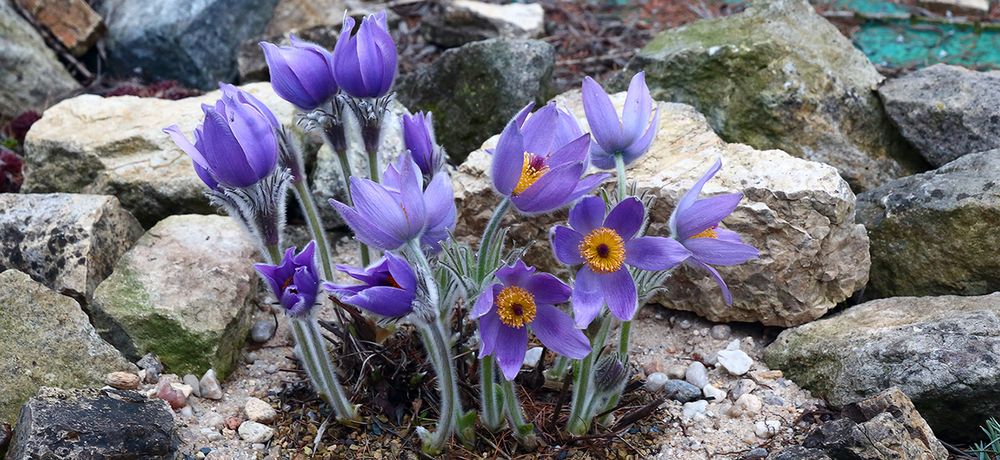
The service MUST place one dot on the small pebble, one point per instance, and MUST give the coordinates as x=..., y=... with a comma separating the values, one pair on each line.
x=233, y=422
x=710, y=359
x=696, y=374
x=250, y=358
x=693, y=409
x=171, y=395
x=756, y=453
x=684, y=324
x=748, y=404
x=713, y=393
x=734, y=345
x=122, y=380
x=766, y=429
x=679, y=390
x=771, y=399
x=655, y=381
x=532, y=356
x=742, y=387
x=192, y=381
x=736, y=362
x=271, y=369
x=254, y=432
x=262, y=330
x=153, y=367
x=209, y=386
x=721, y=332
x=259, y=410
x=212, y=420
x=187, y=411
x=676, y=371
x=185, y=389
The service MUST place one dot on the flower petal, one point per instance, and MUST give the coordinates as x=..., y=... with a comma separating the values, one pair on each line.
x=511, y=345
x=641, y=145
x=726, y=295
x=587, y=297
x=485, y=301
x=655, y=253
x=556, y=331
x=601, y=115
x=508, y=159
x=720, y=252
x=692, y=195
x=588, y=214
x=401, y=272
x=489, y=325
x=587, y=185
x=552, y=191
x=547, y=289
x=540, y=130
x=364, y=230
x=600, y=158
x=619, y=293
x=382, y=300
x=225, y=157
x=705, y=213
x=566, y=245
x=515, y=274
x=439, y=199
x=626, y=217
x=638, y=106
x=575, y=151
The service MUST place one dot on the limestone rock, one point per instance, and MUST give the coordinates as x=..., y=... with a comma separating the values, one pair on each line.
x=73, y=22
x=191, y=41
x=116, y=146
x=46, y=340
x=69, y=243
x=184, y=292
x=940, y=351
x=33, y=77
x=465, y=21
x=779, y=76
x=296, y=15
x=94, y=424
x=475, y=89
x=800, y=214
x=934, y=233
x=945, y=111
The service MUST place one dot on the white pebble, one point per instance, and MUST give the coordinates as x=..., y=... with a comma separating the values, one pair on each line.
x=736, y=362
x=676, y=371
x=694, y=409
x=254, y=432
x=766, y=429
x=655, y=381
x=713, y=393
x=209, y=384
x=734, y=345
x=212, y=420
x=696, y=374
x=259, y=410
x=532, y=357
x=748, y=404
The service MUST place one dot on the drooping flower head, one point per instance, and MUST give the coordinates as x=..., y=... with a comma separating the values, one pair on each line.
x=365, y=62
x=301, y=73
x=11, y=171
x=629, y=136
x=695, y=224
x=538, y=161
x=295, y=281
x=418, y=135
x=386, y=215
x=387, y=287
x=522, y=299
x=236, y=145
x=606, y=246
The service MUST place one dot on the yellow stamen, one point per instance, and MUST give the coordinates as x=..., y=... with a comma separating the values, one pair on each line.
x=603, y=250
x=708, y=233
x=532, y=169
x=515, y=306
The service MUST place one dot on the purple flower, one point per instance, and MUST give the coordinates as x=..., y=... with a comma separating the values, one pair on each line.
x=236, y=145
x=295, y=282
x=695, y=223
x=605, y=246
x=386, y=215
x=538, y=163
x=630, y=136
x=365, y=61
x=387, y=288
x=418, y=135
x=525, y=298
x=302, y=73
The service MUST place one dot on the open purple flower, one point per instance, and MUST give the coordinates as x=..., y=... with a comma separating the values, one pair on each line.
x=302, y=73
x=538, y=161
x=606, y=246
x=629, y=136
x=236, y=145
x=365, y=62
x=695, y=223
x=295, y=282
x=418, y=135
x=439, y=201
x=525, y=298
x=387, y=288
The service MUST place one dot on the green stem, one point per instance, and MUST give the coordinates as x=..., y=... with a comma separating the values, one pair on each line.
x=558, y=369
x=273, y=253
x=583, y=380
x=373, y=166
x=447, y=385
x=345, y=174
x=317, y=364
x=315, y=226
x=620, y=169
x=623, y=337
x=487, y=240
x=492, y=405
x=523, y=431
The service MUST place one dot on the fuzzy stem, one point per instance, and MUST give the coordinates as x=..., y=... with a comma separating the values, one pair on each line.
x=620, y=169
x=315, y=226
x=316, y=361
x=492, y=404
x=345, y=173
x=583, y=379
x=487, y=239
x=435, y=339
x=559, y=368
x=273, y=254
x=515, y=413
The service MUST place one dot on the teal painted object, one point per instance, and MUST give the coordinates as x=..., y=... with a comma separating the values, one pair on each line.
x=902, y=43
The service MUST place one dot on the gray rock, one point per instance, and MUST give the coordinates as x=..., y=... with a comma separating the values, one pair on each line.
x=655, y=381
x=116, y=146
x=46, y=340
x=70, y=243
x=721, y=332
x=152, y=365
x=209, y=386
x=184, y=292
x=465, y=21
x=746, y=405
x=259, y=410
x=192, y=381
x=742, y=387
x=192, y=41
x=475, y=89
x=92, y=423
x=33, y=78
x=801, y=453
x=262, y=330
x=945, y=111
x=679, y=390
x=933, y=233
x=696, y=374
x=940, y=351
x=779, y=76
x=254, y=432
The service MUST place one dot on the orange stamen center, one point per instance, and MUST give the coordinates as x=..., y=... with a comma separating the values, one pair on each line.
x=603, y=250
x=515, y=306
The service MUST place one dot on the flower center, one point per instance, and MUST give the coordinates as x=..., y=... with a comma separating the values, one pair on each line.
x=288, y=282
x=532, y=169
x=515, y=306
x=707, y=233
x=603, y=250
x=390, y=281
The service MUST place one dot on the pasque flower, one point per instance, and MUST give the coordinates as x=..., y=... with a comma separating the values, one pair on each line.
x=365, y=62
x=538, y=161
x=695, y=223
x=521, y=299
x=629, y=136
x=606, y=246
x=388, y=214
x=418, y=135
x=295, y=281
x=301, y=73
x=387, y=287
x=236, y=145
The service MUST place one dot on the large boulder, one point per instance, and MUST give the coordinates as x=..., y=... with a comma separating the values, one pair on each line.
x=32, y=76
x=91, y=423
x=934, y=233
x=779, y=76
x=945, y=111
x=940, y=351
x=475, y=89
x=116, y=146
x=184, y=292
x=464, y=21
x=191, y=41
x=67, y=242
x=800, y=214
x=46, y=340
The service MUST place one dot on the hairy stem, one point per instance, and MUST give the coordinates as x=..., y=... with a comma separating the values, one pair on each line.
x=441, y=358
x=488, y=396
x=316, y=360
x=315, y=226
x=487, y=240
x=523, y=431
x=345, y=173
x=583, y=381
x=620, y=169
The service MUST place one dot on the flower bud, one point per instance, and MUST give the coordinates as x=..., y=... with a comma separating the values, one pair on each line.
x=301, y=73
x=365, y=62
